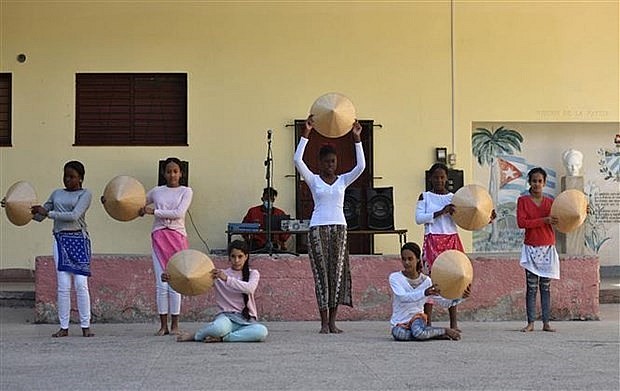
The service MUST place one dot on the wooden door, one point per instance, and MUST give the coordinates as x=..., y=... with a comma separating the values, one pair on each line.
x=358, y=244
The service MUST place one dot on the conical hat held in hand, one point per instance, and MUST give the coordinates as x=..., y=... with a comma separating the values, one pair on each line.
x=19, y=200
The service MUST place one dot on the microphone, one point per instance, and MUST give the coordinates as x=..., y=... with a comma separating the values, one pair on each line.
x=269, y=134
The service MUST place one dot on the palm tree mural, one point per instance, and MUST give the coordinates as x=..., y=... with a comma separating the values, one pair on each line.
x=486, y=146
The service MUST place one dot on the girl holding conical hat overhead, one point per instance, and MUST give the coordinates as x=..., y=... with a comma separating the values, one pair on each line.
x=434, y=209
x=328, y=252
x=169, y=204
x=72, y=250
x=234, y=296
x=539, y=257
x=410, y=291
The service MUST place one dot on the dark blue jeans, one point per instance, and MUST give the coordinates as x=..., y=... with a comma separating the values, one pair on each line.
x=533, y=282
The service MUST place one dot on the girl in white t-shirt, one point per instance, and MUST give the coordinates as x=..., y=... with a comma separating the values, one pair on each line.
x=410, y=292
x=434, y=209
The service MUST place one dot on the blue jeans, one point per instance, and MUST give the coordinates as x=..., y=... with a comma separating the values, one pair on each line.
x=533, y=282
x=419, y=331
x=230, y=331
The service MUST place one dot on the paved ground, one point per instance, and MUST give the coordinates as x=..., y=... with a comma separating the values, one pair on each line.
x=491, y=356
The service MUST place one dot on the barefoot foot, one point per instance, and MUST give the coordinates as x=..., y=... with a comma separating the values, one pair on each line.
x=175, y=331
x=162, y=331
x=86, y=332
x=528, y=328
x=334, y=330
x=210, y=339
x=61, y=333
x=453, y=334
x=547, y=327
x=324, y=329
x=184, y=337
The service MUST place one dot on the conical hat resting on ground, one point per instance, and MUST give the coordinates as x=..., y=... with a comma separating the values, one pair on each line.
x=570, y=207
x=123, y=197
x=333, y=115
x=452, y=272
x=190, y=272
x=18, y=201
x=473, y=207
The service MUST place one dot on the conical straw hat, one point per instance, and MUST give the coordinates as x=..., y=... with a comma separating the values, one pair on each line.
x=473, y=207
x=18, y=202
x=570, y=207
x=452, y=272
x=190, y=272
x=123, y=197
x=333, y=115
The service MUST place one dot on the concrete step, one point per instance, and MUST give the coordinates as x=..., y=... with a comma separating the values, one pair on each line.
x=17, y=299
x=609, y=296
x=609, y=290
x=17, y=294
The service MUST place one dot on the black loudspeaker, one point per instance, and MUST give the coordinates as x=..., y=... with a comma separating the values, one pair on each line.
x=184, y=179
x=455, y=180
x=352, y=203
x=380, y=205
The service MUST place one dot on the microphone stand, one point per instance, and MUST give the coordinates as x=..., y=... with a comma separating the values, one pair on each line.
x=269, y=247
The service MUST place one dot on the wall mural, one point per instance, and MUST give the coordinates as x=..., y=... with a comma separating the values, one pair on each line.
x=499, y=150
x=604, y=207
x=507, y=181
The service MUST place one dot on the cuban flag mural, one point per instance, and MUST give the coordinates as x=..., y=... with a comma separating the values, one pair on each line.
x=511, y=184
x=513, y=178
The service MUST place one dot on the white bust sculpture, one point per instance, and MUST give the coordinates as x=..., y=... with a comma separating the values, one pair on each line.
x=573, y=160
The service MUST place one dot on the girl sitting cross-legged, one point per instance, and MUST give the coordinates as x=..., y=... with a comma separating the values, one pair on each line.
x=234, y=296
x=410, y=291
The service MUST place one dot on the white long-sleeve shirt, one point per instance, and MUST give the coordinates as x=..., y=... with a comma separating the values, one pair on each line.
x=408, y=297
x=426, y=207
x=328, y=199
x=68, y=209
x=171, y=205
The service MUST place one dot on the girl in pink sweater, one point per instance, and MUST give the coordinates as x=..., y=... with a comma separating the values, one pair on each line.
x=168, y=204
x=234, y=296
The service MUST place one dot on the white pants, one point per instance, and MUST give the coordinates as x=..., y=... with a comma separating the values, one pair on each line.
x=64, y=295
x=168, y=300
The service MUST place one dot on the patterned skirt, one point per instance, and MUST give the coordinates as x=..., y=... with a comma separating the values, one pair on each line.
x=329, y=258
x=74, y=252
x=543, y=261
x=435, y=244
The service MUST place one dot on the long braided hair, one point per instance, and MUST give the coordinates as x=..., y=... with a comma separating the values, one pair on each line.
x=242, y=246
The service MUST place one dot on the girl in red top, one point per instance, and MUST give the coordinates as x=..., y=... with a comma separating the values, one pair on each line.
x=539, y=257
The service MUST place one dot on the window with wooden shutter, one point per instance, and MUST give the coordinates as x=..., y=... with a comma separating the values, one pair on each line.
x=131, y=109
x=5, y=109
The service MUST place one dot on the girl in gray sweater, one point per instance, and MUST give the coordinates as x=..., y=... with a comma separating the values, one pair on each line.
x=72, y=250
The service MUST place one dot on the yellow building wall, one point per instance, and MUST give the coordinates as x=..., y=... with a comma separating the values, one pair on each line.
x=259, y=65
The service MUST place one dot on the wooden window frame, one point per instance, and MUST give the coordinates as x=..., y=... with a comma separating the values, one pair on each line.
x=131, y=109
x=6, y=109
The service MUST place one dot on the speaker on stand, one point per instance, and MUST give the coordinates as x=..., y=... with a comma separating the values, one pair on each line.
x=352, y=205
x=380, y=206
